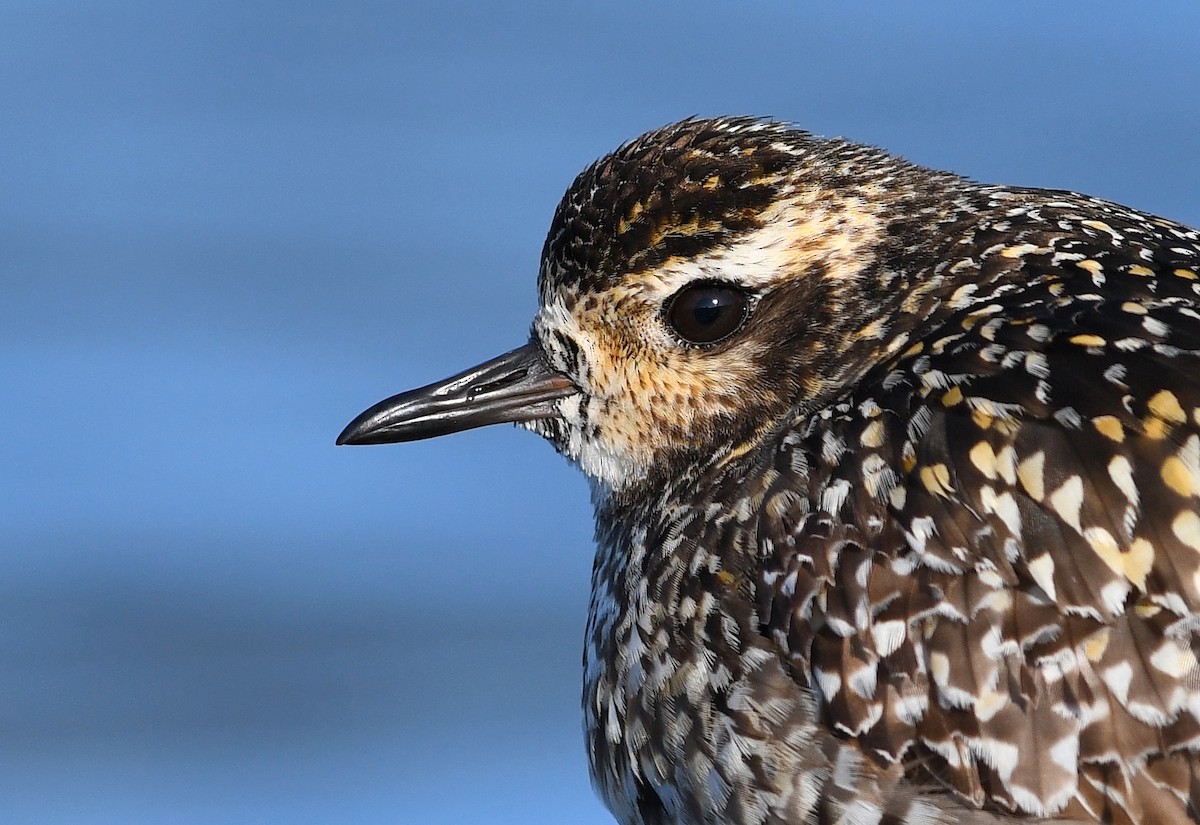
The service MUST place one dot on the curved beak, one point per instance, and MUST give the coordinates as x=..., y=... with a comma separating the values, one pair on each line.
x=517, y=386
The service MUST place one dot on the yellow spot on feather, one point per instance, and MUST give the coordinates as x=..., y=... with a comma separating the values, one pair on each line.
x=1155, y=428
x=1105, y=546
x=875, y=329
x=634, y=211
x=1133, y=564
x=1165, y=405
x=1186, y=273
x=1096, y=644
x=1110, y=427
x=1007, y=427
x=936, y=479
x=1147, y=610
x=1144, y=271
x=1102, y=226
x=1091, y=266
x=984, y=458
x=1088, y=340
x=1067, y=501
x=872, y=434
x=1178, y=477
x=1020, y=250
x=1031, y=472
x=1186, y=527
x=952, y=397
x=1138, y=561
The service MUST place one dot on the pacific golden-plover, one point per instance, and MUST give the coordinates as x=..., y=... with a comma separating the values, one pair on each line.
x=896, y=479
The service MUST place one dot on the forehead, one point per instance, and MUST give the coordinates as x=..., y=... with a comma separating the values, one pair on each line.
x=676, y=192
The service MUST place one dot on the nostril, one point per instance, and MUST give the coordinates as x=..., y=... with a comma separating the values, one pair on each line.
x=499, y=384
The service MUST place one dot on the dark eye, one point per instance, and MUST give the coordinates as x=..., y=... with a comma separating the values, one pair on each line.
x=706, y=313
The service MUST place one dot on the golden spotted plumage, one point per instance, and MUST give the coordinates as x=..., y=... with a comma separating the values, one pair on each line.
x=919, y=540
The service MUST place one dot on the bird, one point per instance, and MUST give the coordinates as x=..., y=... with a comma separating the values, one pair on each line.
x=896, y=479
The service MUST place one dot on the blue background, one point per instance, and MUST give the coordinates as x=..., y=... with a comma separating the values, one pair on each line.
x=227, y=227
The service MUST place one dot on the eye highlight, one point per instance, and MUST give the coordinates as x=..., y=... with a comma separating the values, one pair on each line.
x=707, y=313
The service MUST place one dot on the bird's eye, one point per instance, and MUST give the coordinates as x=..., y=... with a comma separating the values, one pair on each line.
x=707, y=313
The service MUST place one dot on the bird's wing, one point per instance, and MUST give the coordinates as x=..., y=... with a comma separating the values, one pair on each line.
x=986, y=563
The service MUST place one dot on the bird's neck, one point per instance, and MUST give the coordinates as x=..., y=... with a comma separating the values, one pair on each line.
x=669, y=563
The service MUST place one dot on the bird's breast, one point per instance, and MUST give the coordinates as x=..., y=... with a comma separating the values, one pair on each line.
x=687, y=706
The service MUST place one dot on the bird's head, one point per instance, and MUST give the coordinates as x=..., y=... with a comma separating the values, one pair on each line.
x=696, y=286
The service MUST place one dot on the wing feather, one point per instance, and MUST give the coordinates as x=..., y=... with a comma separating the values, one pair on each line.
x=1014, y=614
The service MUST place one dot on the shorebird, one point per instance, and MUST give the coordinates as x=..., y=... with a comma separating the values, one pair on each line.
x=896, y=484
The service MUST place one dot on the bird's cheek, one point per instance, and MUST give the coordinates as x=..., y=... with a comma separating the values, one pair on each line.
x=571, y=411
x=608, y=444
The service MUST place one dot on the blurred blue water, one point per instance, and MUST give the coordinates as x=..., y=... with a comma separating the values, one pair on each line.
x=225, y=228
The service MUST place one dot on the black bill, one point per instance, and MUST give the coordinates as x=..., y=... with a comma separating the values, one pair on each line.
x=517, y=386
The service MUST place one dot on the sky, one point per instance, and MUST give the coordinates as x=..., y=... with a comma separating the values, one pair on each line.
x=228, y=227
